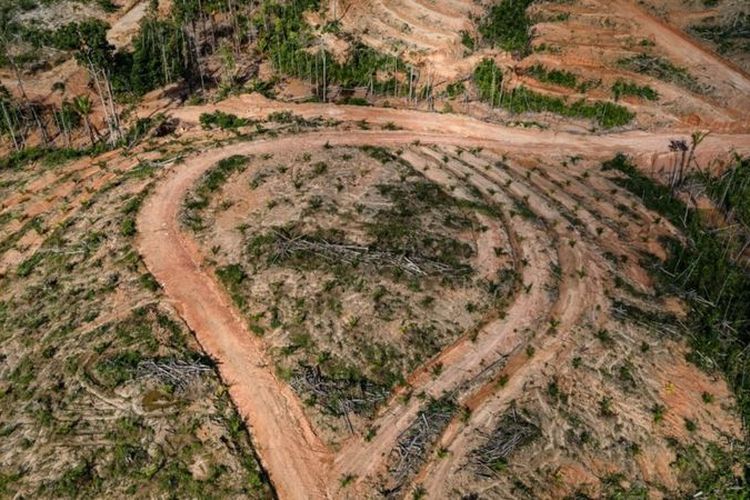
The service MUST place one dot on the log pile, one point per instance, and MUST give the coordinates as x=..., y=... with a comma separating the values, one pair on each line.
x=412, y=265
x=174, y=372
x=339, y=396
x=512, y=432
x=416, y=441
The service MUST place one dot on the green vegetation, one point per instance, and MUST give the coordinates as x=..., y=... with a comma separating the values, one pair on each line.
x=286, y=40
x=210, y=182
x=555, y=76
x=488, y=80
x=661, y=69
x=165, y=49
x=711, y=470
x=561, y=77
x=730, y=35
x=232, y=276
x=157, y=58
x=705, y=272
x=455, y=89
x=224, y=121
x=66, y=37
x=467, y=40
x=731, y=192
x=215, y=177
x=87, y=42
x=623, y=88
x=394, y=229
x=77, y=354
x=343, y=387
x=48, y=156
x=507, y=26
x=410, y=247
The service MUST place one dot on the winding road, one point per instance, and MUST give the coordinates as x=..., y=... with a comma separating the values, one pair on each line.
x=299, y=464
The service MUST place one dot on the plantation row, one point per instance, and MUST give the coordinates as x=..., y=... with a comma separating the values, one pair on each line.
x=488, y=79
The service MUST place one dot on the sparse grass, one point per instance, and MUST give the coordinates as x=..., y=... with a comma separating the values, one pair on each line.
x=232, y=277
x=75, y=302
x=209, y=183
x=401, y=214
x=717, y=327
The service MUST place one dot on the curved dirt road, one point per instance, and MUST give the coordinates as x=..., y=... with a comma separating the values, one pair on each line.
x=464, y=130
x=299, y=464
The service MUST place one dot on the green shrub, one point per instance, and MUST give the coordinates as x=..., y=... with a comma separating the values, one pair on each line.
x=214, y=178
x=661, y=69
x=28, y=265
x=455, y=89
x=488, y=80
x=507, y=26
x=224, y=121
x=286, y=40
x=729, y=35
x=731, y=191
x=555, y=76
x=621, y=88
x=467, y=40
x=127, y=227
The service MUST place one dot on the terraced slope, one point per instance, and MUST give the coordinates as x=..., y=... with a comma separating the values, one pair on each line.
x=576, y=235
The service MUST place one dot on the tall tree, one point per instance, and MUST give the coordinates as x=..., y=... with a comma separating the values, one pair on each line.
x=97, y=54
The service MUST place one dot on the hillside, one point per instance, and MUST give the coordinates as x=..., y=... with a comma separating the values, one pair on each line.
x=381, y=248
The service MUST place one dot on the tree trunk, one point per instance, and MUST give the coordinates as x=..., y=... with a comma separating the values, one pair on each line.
x=42, y=128
x=100, y=93
x=325, y=96
x=11, y=129
x=115, y=118
x=88, y=130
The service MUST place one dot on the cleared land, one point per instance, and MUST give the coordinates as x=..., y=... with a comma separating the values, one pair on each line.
x=472, y=365
x=381, y=248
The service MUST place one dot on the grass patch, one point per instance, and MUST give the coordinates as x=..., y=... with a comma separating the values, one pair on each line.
x=555, y=76
x=223, y=121
x=623, y=88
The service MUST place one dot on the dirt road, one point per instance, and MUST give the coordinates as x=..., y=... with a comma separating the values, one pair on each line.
x=686, y=51
x=299, y=464
x=649, y=147
x=289, y=448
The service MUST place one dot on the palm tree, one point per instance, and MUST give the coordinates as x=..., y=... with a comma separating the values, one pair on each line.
x=83, y=106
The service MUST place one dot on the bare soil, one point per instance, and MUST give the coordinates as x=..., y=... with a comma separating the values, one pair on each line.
x=558, y=316
x=582, y=351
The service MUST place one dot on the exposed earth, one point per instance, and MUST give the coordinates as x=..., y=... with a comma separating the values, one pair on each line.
x=303, y=295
